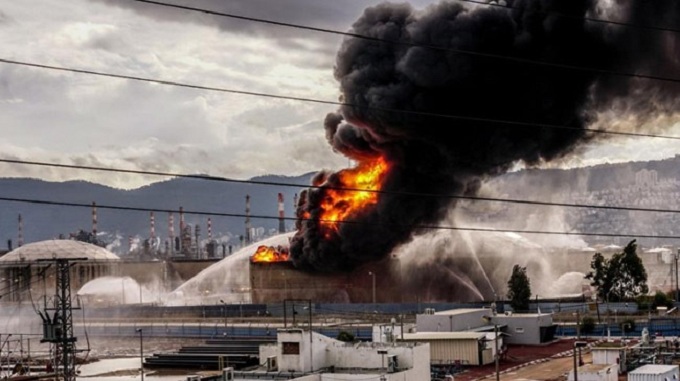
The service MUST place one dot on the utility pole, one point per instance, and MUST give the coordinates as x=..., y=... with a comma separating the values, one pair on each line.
x=58, y=329
x=496, y=357
x=141, y=351
x=577, y=347
x=677, y=292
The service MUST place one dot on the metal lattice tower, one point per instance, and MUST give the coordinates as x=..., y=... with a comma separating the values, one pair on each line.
x=59, y=328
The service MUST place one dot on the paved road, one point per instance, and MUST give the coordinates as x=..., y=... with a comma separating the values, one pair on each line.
x=521, y=361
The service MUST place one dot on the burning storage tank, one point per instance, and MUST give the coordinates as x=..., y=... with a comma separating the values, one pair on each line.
x=27, y=272
x=274, y=277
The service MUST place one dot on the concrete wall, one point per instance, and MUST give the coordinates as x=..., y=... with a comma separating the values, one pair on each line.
x=603, y=356
x=523, y=328
x=318, y=351
x=298, y=362
x=276, y=281
x=413, y=360
x=267, y=350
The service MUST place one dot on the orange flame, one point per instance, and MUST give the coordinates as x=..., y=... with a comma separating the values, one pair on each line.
x=338, y=204
x=269, y=254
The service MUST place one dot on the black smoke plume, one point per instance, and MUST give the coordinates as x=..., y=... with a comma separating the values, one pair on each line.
x=465, y=92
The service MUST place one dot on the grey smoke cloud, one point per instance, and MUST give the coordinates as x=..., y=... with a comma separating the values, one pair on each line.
x=434, y=154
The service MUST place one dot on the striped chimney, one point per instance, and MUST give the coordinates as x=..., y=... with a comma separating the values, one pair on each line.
x=209, y=229
x=282, y=225
x=94, y=219
x=152, y=221
x=21, y=231
x=181, y=220
x=247, y=236
x=181, y=229
x=171, y=226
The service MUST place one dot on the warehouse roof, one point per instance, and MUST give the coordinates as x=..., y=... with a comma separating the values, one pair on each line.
x=445, y=336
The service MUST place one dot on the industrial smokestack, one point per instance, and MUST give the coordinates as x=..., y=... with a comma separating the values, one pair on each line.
x=499, y=90
x=247, y=236
x=94, y=220
x=197, y=233
x=171, y=230
x=282, y=225
x=209, y=229
x=20, y=240
x=152, y=228
x=181, y=230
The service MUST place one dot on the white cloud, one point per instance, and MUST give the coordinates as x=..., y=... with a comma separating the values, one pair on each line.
x=49, y=115
x=64, y=117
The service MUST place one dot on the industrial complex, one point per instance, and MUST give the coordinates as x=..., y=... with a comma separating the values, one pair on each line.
x=259, y=316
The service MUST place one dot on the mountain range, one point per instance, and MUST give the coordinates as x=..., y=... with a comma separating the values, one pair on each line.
x=56, y=209
x=53, y=209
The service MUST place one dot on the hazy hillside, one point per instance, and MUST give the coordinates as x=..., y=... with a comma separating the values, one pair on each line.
x=595, y=178
x=203, y=197
x=42, y=221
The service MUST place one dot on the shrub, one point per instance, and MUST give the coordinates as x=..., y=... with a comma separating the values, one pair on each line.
x=588, y=324
x=345, y=336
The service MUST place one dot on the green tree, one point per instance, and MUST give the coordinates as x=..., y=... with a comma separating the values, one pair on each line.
x=662, y=299
x=345, y=336
x=588, y=324
x=621, y=277
x=519, y=289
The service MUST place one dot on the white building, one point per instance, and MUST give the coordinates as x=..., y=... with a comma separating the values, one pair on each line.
x=530, y=329
x=465, y=348
x=309, y=356
x=610, y=355
x=654, y=372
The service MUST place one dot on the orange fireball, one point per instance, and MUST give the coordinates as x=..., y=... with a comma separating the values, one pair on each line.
x=269, y=254
x=361, y=184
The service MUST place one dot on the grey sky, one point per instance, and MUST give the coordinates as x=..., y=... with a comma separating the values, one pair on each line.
x=74, y=118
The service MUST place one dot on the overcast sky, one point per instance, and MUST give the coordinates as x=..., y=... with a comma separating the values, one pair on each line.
x=70, y=118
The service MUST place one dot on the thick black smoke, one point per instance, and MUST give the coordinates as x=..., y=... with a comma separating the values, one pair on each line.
x=446, y=118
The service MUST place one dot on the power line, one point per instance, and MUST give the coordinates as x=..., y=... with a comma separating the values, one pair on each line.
x=412, y=44
x=415, y=227
x=335, y=103
x=280, y=184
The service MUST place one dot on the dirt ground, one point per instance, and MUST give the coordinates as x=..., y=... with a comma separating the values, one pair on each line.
x=537, y=362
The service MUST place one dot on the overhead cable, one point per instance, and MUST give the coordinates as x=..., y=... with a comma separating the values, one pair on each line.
x=336, y=103
x=346, y=189
x=415, y=227
x=413, y=44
